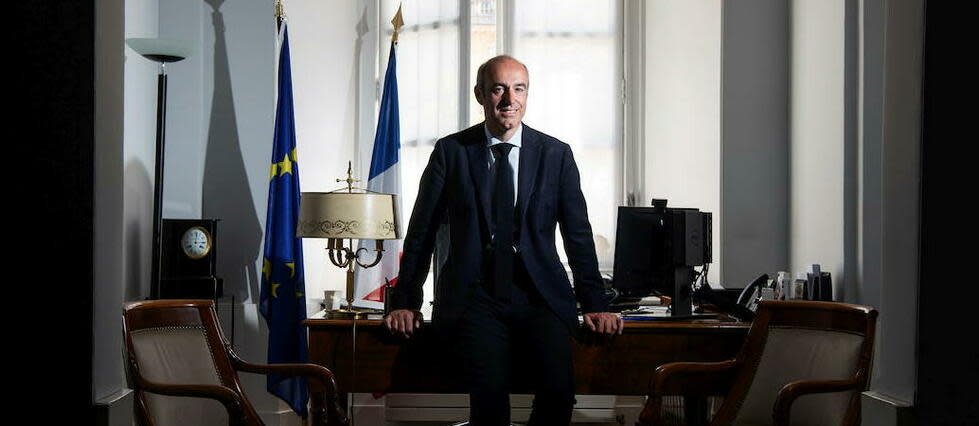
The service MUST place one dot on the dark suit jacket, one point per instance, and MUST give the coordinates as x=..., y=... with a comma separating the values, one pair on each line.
x=454, y=190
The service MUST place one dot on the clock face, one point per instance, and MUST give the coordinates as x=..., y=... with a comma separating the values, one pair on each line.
x=196, y=242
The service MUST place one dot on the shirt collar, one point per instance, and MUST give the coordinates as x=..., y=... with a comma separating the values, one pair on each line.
x=493, y=140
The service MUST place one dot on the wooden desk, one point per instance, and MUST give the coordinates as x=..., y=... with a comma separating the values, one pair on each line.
x=620, y=365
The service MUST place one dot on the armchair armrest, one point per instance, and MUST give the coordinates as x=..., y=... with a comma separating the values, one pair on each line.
x=693, y=378
x=322, y=384
x=231, y=401
x=791, y=391
x=323, y=379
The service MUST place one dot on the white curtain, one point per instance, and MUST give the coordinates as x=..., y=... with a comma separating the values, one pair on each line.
x=572, y=49
x=428, y=86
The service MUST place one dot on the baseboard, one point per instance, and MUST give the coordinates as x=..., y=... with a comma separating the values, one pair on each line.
x=115, y=409
x=877, y=409
x=441, y=409
x=281, y=416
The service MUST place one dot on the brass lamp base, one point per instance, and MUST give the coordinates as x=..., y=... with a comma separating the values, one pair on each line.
x=346, y=313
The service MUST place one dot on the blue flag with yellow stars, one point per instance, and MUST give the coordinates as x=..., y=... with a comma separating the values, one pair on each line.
x=283, y=302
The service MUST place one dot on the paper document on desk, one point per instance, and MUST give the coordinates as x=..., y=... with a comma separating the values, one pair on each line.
x=650, y=301
x=646, y=312
x=643, y=310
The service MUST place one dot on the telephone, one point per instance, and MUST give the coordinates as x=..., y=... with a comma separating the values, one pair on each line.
x=743, y=308
x=750, y=295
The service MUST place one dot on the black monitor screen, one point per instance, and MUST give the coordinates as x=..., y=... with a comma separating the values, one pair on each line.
x=642, y=262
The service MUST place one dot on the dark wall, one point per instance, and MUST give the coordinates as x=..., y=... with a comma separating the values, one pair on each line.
x=54, y=124
x=948, y=356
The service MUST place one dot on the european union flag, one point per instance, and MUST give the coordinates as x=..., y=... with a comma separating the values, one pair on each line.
x=283, y=300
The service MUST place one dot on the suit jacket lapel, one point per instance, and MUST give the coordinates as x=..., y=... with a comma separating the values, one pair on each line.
x=479, y=170
x=530, y=158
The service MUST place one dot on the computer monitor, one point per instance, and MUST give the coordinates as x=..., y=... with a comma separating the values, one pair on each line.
x=656, y=249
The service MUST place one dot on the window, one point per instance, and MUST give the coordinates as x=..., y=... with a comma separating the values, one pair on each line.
x=573, y=51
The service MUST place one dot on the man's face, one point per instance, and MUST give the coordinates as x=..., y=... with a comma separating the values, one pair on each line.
x=503, y=95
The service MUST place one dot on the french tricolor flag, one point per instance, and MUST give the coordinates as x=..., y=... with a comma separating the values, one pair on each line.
x=385, y=177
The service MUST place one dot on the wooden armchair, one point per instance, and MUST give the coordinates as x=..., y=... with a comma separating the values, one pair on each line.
x=802, y=363
x=175, y=349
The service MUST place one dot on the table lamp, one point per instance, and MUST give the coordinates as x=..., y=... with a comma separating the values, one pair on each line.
x=348, y=214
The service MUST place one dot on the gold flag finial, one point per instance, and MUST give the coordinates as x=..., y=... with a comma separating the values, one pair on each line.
x=398, y=22
x=280, y=11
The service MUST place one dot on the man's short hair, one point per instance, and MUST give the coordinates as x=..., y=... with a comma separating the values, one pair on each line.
x=481, y=72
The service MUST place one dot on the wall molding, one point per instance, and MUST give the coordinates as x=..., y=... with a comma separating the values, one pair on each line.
x=878, y=409
x=115, y=409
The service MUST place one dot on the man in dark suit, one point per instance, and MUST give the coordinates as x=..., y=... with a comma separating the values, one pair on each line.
x=502, y=295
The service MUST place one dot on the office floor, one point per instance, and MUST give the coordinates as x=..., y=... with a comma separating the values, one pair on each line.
x=442, y=410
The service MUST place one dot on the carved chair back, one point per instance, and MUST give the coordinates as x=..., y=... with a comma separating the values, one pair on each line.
x=180, y=342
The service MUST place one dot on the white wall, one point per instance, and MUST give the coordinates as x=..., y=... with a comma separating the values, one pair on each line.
x=683, y=95
x=219, y=136
x=332, y=42
x=754, y=140
x=895, y=368
x=110, y=251
x=856, y=165
x=871, y=105
x=142, y=20
x=182, y=182
x=851, y=121
x=226, y=94
x=817, y=129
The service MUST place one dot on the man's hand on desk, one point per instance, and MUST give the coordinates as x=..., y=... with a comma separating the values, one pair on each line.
x=403, y=321
x=604, y=322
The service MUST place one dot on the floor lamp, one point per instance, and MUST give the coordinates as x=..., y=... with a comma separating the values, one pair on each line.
x=162, y=51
